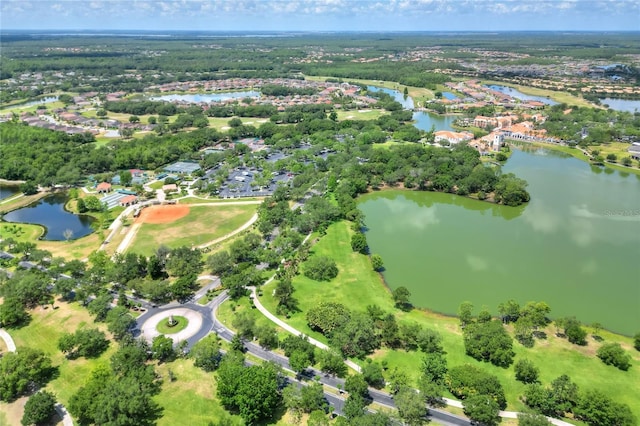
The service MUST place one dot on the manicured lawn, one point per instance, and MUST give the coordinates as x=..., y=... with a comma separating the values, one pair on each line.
x=357, y=286
x=201, y=225
x=43, y=332
x=74, y=249
x=361, y=114
x=180, y=324
x=21, y=231
x=191, y=398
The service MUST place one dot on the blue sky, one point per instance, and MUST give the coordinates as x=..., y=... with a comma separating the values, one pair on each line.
x=322, y=15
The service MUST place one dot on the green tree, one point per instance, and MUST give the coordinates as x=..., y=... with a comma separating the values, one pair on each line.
x=466, y=380
x=162, y=349
x=320, y=268
x=87, y=343
x=574, y=331
x=359, y=243
x=598, y=409
x=327, y=317
x=267, y=336
x=372, y=373
x=13, y=313
x=465, y=313
x=411, y=407
x=490, y=342
x=401, y=296
x=376, y=262
x=332, y=363
x=636, y=341
x=526, y=371
x=356, y=385
x=509, y=311
x=613, y=354
x=206, y=353
x=125, y=178
x=252, y=391
x=245, y=323
x=29, y=188
x=482, y=409
x=134, y=119
x=299, y=361
x=39, y=409
x=21, y=371
x=120, y=322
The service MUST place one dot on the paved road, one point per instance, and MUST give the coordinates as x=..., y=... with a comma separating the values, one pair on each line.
x=378, y=397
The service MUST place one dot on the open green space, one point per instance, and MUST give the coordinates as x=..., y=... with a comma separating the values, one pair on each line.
x=189, y=399
x=43, y=332
x=201, y=225
x=358, y=286
x=180, y=323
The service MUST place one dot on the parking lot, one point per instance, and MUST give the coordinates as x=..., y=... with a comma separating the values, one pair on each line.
x=238, y=184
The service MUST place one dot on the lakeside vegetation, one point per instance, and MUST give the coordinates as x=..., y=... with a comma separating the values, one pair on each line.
x=332, y=156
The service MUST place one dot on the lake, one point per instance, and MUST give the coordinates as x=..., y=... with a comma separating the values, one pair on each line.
x=50, y=213
x=425, y=120
x=622, y=104
x=406, y=102
x=208, y=97
x=575, y=246
x=7, y=191
x=519, y=95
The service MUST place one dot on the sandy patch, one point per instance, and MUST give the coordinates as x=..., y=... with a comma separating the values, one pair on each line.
x=163, y=214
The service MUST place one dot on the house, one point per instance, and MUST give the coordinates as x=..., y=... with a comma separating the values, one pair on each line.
x=452, y=137
x=136, y=173
x=129, y=200
x=103, y=187
x=634, y=151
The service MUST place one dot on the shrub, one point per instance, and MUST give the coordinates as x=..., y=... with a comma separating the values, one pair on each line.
x=613, y=354
x=526, y=371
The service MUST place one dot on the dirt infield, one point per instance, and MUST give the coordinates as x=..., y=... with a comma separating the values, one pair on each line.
x=163, y=214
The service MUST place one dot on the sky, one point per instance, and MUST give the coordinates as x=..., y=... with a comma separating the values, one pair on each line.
x=322, y=15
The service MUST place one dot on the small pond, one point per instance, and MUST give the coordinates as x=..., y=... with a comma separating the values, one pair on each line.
x=7, y=191
x=50, y=213
x=519, y=95
x=207, y=97
x=622, y=104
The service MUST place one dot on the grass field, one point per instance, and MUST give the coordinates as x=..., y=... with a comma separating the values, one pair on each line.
x=201, y=225
x=360, y=114
x=357, y=286
x=43, y=332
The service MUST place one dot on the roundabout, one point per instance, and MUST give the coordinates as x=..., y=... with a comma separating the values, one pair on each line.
x=189, y=322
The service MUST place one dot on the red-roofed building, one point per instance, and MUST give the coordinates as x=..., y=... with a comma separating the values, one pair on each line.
x=129, y=200
x=103, y=187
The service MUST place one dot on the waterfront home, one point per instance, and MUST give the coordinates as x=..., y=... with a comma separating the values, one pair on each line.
x=452, y=137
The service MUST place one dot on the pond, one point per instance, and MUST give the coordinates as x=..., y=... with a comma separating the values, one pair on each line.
x=7, y=191
x=46, y=100
x=207, y=97
x=622, y=104
x=425, y=121
x=519, y=95
x=50, y=213
x=405, y=101
x=574, y=246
